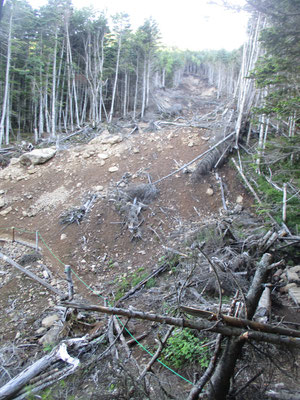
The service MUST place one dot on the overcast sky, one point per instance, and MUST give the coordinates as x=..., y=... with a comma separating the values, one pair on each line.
x=186, y=24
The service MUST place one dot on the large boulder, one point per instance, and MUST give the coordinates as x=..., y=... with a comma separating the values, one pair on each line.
x=37, y=156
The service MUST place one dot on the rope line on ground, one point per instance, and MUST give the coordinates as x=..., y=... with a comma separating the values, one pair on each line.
x=100, y=296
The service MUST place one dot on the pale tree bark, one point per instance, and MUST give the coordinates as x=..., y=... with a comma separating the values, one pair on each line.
x=125, y=94
x=136, y=88
x=144, y=88
x=7, y=73
x=250, y=55
x=53, y=110
x=115, y=80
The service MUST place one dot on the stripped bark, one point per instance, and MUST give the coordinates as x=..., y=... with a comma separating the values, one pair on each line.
x=15, y=384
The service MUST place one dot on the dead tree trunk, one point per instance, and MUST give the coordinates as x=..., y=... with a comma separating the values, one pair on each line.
x=220, y=381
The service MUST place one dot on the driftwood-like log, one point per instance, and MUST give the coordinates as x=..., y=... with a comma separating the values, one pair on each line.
x=185, y=323
x=31, y=275
x=240, y=322
x=18, y=382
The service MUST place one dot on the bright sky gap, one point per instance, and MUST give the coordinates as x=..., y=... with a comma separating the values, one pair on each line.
x=192, y=24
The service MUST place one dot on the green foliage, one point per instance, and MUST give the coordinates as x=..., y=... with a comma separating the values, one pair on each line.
x=279, y=69
x=48, y=347
x=183, y=347
x=131, y=280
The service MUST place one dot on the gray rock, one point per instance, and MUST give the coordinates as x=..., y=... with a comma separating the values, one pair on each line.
x=111, y=139
x=296, y=269
x=294, y=293
x=50, y=320
x=37, y=156
x=292, y=276
x=51, y=337
x=6, y=211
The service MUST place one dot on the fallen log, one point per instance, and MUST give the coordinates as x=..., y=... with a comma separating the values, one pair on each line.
x=195, y=159
x=18, y=382
x=186, y=323
x=240, y=322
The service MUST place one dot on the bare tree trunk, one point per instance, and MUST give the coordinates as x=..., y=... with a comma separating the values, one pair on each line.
x=115, y=81
x=125, y=95
x=6, y=89
x=220, y=381
x=53, y=111
x=136, y=88
x=144, y=88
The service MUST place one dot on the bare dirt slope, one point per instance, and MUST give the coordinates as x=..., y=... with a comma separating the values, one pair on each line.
x=100, y=249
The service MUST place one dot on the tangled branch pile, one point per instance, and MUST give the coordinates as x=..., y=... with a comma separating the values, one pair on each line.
x=130, y=202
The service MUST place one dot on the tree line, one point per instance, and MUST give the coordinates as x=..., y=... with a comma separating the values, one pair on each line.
x=61, y=68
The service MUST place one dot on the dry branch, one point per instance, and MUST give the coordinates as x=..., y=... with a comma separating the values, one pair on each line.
x=240, y=322
x=143, y=282
x=15, y=384
x=185, y=323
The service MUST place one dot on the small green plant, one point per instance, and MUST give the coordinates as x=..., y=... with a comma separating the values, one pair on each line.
x=184, y=347
x=151, y=283
x=48, y=347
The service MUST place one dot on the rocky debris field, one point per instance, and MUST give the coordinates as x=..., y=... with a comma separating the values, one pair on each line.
x=72, y=199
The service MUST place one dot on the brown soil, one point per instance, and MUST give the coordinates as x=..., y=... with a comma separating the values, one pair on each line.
x=100, y=249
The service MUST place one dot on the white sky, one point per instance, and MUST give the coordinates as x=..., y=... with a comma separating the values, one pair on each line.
x=186, y=24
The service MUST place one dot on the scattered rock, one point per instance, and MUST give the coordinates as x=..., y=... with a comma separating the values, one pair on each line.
x=50, y=320
x=113, y=169
x=294, y=293
x=286, y=288
x=111, y=139
x=37, y=156
x=209, y=192
x=2, y=192
x=292, y=276
x=296, y=269
x=2, y=202
x=103, y=156
x=51, y=337
x=14, y=161
x=63, y=236
x=40, y=330
x=191, y=144
x=6, y=211
x=238, y=209
x=135, y=150
x=78, y=185
x=98, y=188
x=239, y=199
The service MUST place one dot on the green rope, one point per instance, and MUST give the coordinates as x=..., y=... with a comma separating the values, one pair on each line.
x=51, y=250
x=130, y=334
x=99, y=295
